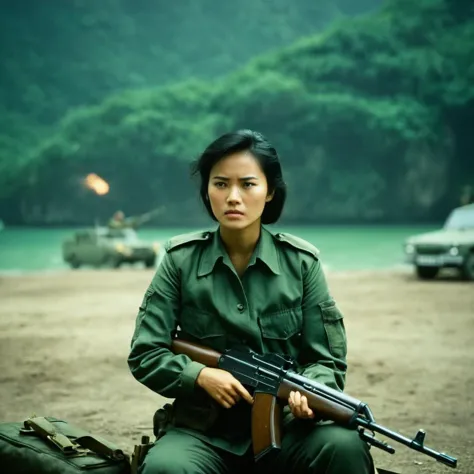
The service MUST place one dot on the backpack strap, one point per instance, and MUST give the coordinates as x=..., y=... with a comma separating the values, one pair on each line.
x=101, y=447
x=46, y=430
x=71, y=445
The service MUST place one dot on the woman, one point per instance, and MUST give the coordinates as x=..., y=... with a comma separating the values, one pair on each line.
x=241, y=285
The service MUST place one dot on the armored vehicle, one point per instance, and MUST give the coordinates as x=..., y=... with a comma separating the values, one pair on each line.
x=102, y=246
x=450, y=246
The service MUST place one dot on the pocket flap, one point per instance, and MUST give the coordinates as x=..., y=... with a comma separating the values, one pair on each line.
x=281, y=324
x=330, y=311
x=199, y=324
x=334, y=328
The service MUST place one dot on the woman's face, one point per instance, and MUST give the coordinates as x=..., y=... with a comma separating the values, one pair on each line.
x=238, y=191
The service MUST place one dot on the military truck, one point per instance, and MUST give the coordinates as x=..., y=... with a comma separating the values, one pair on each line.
x=452, y=246
x=105, y=247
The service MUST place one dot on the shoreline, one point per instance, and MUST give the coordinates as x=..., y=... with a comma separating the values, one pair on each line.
x=447, y=274
x=397, y=268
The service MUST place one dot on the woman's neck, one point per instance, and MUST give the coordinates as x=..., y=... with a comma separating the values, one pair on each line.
x=240, y=243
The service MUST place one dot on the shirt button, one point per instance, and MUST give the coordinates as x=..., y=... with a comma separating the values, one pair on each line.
x=240, y=307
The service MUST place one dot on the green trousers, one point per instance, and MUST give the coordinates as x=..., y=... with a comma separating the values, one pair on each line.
x=306, y=449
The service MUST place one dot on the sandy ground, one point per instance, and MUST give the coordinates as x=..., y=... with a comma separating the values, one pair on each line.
x=64, y=340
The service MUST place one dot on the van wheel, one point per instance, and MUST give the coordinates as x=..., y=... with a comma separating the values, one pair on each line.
x=468, y=267
x=74, y=262
x=427, y=273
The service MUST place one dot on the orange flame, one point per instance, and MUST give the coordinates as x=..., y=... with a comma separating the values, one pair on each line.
x=97, y=184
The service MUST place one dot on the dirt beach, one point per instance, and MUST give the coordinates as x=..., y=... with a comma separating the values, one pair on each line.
x=64, y=340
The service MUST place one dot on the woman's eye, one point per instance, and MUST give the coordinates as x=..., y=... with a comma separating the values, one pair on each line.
x=219, y=184
x=248, y=185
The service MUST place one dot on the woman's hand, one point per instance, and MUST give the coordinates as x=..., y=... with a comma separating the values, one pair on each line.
x=299, y=406
x=223, y=387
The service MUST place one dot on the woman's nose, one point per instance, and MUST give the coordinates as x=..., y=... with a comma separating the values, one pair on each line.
x=234, y=194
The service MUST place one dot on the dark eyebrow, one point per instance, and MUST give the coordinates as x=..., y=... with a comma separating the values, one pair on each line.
x=245, y=178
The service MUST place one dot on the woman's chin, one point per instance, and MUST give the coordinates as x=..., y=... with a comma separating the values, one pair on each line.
x=239, y=224
x=226, y=224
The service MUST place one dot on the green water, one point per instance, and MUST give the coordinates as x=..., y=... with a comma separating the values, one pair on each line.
x=342, y=247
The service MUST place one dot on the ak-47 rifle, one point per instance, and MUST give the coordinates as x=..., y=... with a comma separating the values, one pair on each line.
x=271, y=380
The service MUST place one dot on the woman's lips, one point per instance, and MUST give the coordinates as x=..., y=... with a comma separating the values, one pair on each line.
x=234, y=214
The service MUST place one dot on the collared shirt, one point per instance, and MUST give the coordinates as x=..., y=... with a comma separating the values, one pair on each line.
x=281, y=304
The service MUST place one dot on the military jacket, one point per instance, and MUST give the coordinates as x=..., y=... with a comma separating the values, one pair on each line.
x=280, y=304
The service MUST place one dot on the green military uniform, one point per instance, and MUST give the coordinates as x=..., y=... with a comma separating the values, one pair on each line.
x=281, y=304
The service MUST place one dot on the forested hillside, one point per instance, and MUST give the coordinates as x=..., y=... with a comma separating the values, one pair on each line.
x=58, y=55
x=371, y=117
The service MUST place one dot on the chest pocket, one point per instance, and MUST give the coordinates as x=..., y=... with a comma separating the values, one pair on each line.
x=202, y=327
x=281, y=330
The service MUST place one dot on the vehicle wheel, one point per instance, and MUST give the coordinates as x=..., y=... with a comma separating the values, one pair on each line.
x=427, y=273
x=150, y=262
x=74, y=262
x=468, y=267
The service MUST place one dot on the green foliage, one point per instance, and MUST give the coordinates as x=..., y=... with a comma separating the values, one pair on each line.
x=57, y=55
x=363, y=115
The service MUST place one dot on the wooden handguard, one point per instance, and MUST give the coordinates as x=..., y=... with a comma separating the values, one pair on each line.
x=266, y=425
x=325, y=408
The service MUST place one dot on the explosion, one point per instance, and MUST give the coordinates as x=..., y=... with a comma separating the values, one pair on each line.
x=97, y=184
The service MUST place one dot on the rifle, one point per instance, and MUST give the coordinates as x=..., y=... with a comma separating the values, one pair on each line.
x=271, y=378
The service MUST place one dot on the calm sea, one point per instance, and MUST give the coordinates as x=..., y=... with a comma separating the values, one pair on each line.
x=342, y=247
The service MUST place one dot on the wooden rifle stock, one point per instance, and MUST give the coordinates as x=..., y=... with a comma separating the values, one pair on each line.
x=198, y=353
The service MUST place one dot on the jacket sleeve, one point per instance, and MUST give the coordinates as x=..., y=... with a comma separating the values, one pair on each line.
x=150, y=360
x=324, y=345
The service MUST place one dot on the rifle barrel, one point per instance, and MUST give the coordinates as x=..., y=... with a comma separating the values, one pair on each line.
x=411, y=443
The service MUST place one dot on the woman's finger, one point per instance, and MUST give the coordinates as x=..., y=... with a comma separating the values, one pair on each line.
x=297, y=411
x=305, y=410
x=226, y=401
x=232, y=393
x=297, y=398
x=242, y=392
x=291, y=401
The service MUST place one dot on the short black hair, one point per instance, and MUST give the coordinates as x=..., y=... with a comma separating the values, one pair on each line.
x=265, y=154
